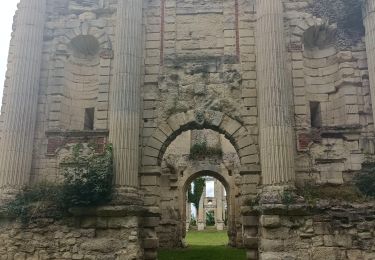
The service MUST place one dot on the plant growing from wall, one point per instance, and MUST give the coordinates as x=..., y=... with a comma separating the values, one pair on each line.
x=88, y=178
x=195, y=192
x=202, y=150
x=87, y=182
x=313, y=193
x=365, y=181
x=43, y=199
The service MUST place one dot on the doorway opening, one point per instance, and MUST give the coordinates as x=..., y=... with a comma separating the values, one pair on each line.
x=199, y=206
x=206, y=212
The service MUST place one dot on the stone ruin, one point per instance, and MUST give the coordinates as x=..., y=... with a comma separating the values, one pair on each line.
x=289, y=84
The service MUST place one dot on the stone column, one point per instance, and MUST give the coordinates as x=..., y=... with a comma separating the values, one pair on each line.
x=188, y=216
x=275, y=97
x=201, y=214
x=16, y=144
x=369, y=22
x=125, y=92
x=219, y=218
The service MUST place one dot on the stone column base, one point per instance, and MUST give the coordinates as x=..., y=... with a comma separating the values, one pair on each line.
x=220, y=225
x=201, y=226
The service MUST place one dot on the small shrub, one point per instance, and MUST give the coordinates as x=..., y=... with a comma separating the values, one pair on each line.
x=87, y=182
x=313, y=193
x=365, y=181
x=201, y=150
x=88, y=179
x=43, y=199
x=288, y=198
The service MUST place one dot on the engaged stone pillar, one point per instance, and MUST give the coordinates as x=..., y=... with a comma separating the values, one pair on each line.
x=275, y=96
x=125, y=92
x=369, y=22
x=16, y=144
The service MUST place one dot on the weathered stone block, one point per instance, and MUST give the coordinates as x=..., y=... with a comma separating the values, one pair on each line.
x=269, y=221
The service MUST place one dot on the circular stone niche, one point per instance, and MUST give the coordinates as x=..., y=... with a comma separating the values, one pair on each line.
x=85, y=46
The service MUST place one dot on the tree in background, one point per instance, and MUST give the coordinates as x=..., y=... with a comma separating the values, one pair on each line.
x=195, y=192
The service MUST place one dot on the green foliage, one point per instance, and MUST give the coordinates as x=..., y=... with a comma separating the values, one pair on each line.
x=195, y=192
x=210, y=218
x=88, y=178
x=193, y=221
x=87, y=182
x=42, y=199
x=288, y=198
x=201, y=151
x=365, y=181
x=313, y=193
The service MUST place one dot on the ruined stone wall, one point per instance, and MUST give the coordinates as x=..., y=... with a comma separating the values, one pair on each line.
x=73, y=238
x=199, y=56
x=344, y=232
x=200, y=72
x=77, y=60
x=333, y=118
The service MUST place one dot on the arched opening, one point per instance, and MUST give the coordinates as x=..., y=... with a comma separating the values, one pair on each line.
x=213, y=214
x=194, y=154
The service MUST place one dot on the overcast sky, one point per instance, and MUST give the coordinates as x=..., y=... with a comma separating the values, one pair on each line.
x=7, y=10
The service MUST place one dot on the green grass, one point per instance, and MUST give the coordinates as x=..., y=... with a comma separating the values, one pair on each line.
x=204, y=245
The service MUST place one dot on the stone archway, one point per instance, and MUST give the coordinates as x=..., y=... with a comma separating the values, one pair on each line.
x=154, y=186
x=168, y=130
x=225, y=179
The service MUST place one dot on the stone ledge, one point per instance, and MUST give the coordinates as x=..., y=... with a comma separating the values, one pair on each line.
x=109, y=211
x=304, y=209
x=78, y=133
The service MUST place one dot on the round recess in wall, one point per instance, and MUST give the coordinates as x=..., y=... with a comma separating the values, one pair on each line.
x=85, y=46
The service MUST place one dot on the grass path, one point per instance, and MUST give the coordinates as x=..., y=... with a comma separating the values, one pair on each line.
x=204, y=246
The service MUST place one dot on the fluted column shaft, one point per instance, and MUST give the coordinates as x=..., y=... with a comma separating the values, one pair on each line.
x=219, y=194
x=274, y=96
x=369, y=22
x=16, y=145
x=125, y=92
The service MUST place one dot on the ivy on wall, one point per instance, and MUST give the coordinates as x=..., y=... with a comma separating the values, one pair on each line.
x=202, y=150
x=87, y=182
